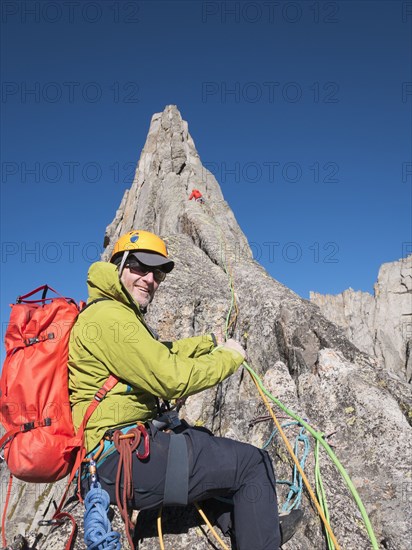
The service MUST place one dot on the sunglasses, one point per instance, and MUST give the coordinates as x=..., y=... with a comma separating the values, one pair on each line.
x=139, y=269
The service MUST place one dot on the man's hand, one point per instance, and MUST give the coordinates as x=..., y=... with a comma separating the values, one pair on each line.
x=232, y=344
x=219, y=335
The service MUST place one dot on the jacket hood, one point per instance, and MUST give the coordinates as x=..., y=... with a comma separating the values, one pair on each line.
x=103, y=282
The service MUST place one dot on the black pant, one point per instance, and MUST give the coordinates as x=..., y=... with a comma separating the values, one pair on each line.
x=217, y=467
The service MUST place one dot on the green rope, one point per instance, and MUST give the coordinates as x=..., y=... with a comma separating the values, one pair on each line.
x=320, y=493
x=232, y=290
x=319, y=437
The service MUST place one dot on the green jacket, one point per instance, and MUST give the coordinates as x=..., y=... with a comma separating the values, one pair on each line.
x=111, y=336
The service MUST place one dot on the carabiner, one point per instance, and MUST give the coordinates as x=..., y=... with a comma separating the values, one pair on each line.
x=146, y=441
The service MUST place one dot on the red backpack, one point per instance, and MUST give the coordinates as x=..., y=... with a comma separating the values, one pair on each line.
x=40, y=444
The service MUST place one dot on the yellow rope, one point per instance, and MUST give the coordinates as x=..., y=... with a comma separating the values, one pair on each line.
x=285, y=439
x=296, y=461
x=159, y=528
x=213, y=531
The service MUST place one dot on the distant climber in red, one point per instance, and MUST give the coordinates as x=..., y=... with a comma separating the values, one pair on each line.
x=197, y=195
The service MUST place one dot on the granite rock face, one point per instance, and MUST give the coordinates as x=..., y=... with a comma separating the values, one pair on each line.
x=305, y=360
x=380, y=325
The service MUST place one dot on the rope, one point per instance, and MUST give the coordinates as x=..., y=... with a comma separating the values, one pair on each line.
x=159, y=528
x=213, y=531
x=3, y=519
x=125, y=447
x=295, y=486
x=319, y=437
x=262, y=392
x=97, y=528
x=296, y=489
x=321, y=493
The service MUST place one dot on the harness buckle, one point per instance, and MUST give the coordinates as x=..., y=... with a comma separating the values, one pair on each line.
x=168, y=420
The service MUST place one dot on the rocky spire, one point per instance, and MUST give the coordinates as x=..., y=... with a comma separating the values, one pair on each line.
x=380, y=325
x=304, y=359
x=168, y=169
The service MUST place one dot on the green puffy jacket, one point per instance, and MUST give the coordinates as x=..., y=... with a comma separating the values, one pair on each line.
x=111, y=336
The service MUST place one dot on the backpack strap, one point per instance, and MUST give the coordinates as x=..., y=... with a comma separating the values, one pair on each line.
x=98, y=398
x=44, y=289
x=26, y=427
x=6, y=505
x=94, y=302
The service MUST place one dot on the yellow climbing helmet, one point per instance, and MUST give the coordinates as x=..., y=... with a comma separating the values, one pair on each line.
x=146, y=247
x=140, y=240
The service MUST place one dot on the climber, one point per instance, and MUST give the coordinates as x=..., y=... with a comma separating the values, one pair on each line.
x=197, y=195
x=184, y=465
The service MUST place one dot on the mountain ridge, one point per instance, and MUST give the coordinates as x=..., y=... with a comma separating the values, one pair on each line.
x=303, y=358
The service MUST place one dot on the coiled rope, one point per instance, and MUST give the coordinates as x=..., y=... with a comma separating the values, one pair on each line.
x=98, y=532
x=294, y=497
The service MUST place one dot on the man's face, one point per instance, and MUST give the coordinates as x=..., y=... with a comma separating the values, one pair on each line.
x=141, y=287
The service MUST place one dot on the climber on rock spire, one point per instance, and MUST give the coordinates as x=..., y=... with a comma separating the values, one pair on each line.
x=197, y=195
x=176, y=464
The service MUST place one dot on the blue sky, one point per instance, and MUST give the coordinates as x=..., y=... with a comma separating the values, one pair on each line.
x=301, y=109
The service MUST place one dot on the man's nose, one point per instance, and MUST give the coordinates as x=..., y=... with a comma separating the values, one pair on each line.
x=149, y=277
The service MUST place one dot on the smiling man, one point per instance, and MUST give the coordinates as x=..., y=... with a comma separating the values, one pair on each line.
x=141, y=271
x=175, y=464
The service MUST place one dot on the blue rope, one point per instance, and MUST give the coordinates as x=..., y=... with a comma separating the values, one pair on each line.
x=98, y=532
x=296, y=485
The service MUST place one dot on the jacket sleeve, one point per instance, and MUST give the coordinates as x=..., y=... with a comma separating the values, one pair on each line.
x=194, y=346
x=127, y=349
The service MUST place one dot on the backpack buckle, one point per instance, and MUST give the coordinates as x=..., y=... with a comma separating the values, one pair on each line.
x=100, y=394
x=31, y=341
x=27, y=427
